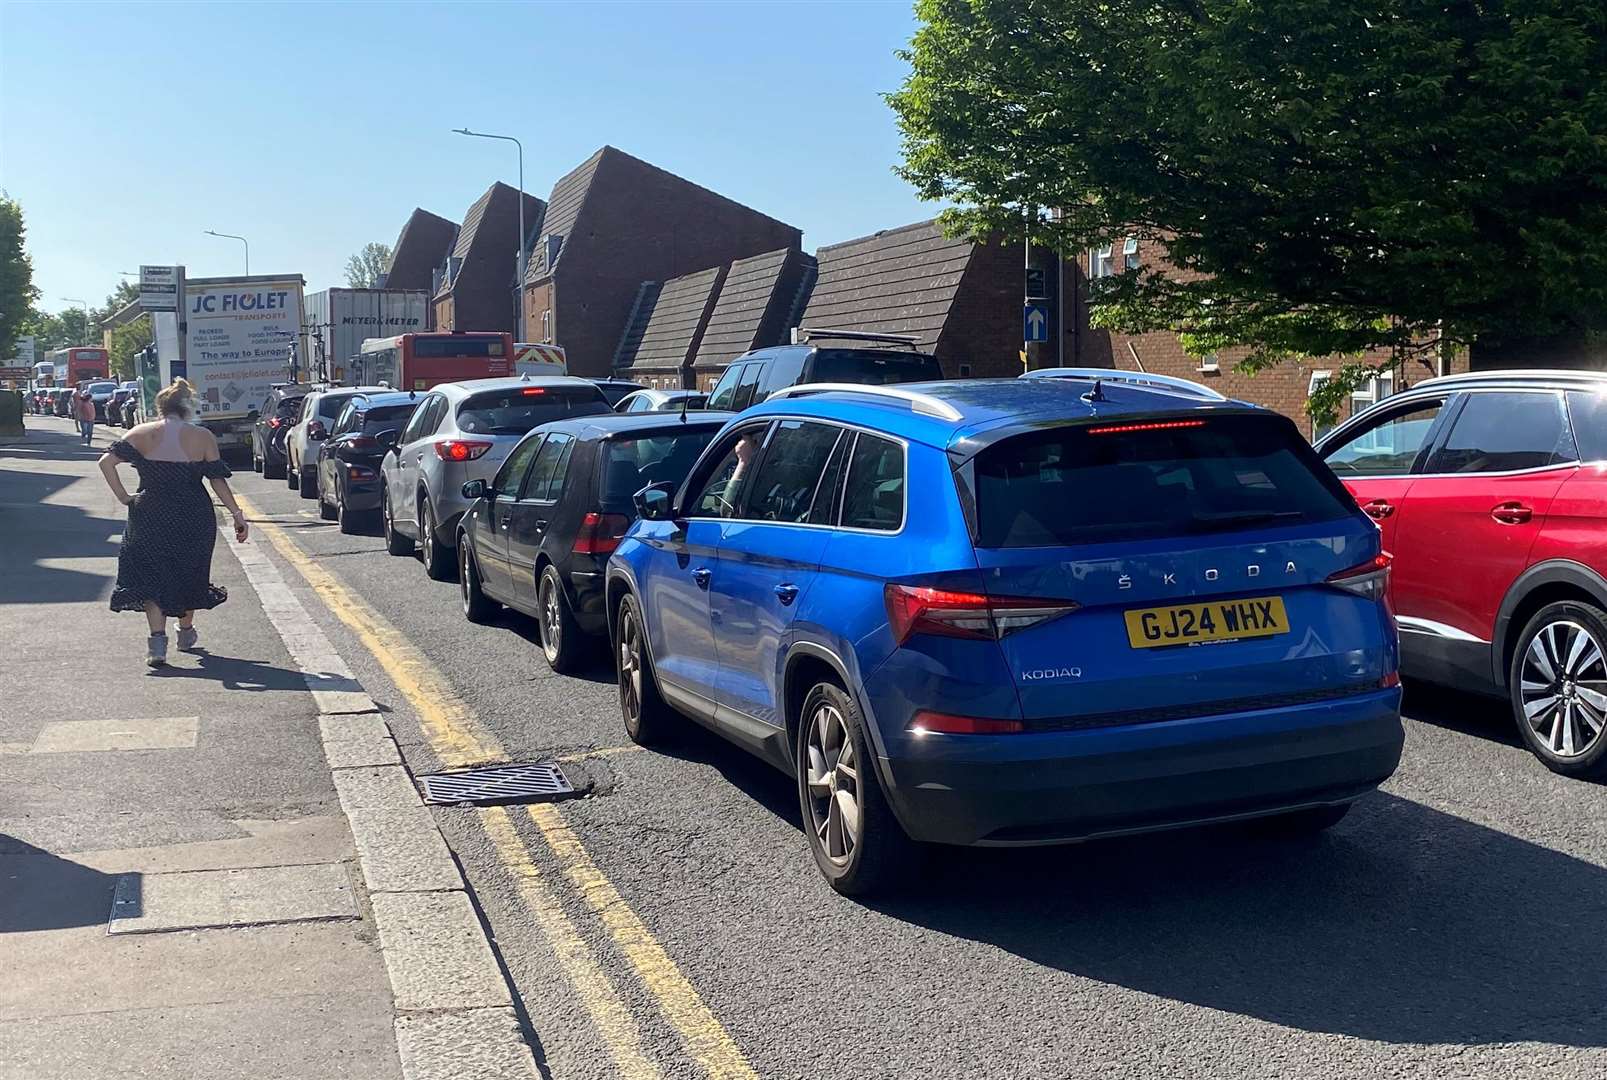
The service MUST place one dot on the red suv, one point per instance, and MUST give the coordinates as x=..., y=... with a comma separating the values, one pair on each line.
x=1491, y=492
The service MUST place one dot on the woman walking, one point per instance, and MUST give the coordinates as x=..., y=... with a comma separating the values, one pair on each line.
x=84, y=411
x=164, y=566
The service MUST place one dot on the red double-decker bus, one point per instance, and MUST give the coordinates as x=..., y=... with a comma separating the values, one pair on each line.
x=76, y=365
x=420, y=361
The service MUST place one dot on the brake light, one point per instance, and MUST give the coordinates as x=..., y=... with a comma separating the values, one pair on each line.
x=460, y=449
x=916, y=609
x=529, y=390
x=1368, y=580
x=1155, y=425
x=359, y=472
x=600, y=534
x=927, y=722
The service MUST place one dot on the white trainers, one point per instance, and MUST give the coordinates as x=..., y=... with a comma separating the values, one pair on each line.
x=156, y=651
x=188, y=636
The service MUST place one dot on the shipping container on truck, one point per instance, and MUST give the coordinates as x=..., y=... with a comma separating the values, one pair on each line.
x=79, y=364
x=340, y=320
x=233, y=343
x=420, y=361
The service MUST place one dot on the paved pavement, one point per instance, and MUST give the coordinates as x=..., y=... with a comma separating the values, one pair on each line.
x=671, y=923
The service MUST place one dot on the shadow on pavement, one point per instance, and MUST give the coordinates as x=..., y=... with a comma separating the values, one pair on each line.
x=41, y=891
x=37, y=530
x=238, y=673
x=1478, y=715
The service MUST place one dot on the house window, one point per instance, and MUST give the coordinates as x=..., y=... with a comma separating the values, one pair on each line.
x=1130, y=253
x=1319, y=379
x=546, y=326
x=1099, y=262
x=1373, y=390
x=965, y=371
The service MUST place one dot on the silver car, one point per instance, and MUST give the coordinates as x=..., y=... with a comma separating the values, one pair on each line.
x=461, y=432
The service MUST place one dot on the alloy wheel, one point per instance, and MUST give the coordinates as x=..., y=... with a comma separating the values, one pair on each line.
x=1563, y=687
x=833, y=784
x=551, y=624
x=463, y=575
x=630, y=667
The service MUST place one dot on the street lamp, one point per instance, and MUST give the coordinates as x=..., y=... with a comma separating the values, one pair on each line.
x=85, y=305
x=521, y=269
x=231, y=236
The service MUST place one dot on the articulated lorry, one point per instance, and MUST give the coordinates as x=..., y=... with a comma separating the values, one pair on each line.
x=233, y=338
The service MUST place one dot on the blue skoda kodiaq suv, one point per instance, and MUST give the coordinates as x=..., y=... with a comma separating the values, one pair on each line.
x=1018, y=611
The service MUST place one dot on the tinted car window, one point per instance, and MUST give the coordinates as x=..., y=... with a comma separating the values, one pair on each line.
x=747, y=386
x=784, y=369
x=874, y=495
x=1588, y=418
x=329, y=405
x=1102, y=483
x=422, y=424
x=873, y=368
x=629, y=465
x=725, y=390
x=349, y=418
x=1386, y=449
x=546, y=478
x=290, y=406
x=386, y=418
x=785, y=485
x=516, y=410
x=511, y=476
x=1503, y=432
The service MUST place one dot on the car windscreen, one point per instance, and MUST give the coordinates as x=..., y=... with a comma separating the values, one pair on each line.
x=387, y=417
x=290, y=406
x=102, y=387
x=631, y=464
x=873, y=368
x=1148, y=479
x=517, y=409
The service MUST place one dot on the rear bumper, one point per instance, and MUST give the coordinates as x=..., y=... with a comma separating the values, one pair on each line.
x=1063, y=787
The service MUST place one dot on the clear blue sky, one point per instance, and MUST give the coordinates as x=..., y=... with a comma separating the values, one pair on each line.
x=313, y=128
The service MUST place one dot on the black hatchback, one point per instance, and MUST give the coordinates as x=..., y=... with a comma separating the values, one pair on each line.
x=348, y=461
x=538, y=536
x=278, y=414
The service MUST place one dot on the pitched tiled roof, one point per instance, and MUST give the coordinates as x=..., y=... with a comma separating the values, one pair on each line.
x=420, y=249
x=469, y=235
x=898, y=281
x=563, y=209
x=749, y=294
x=668, y=318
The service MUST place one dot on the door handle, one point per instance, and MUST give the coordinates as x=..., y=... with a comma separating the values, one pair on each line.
x=701, y=575
x=1378, y=509
x=1511, y=513
x=540, y=524
x=786, y=593
x=503, y=521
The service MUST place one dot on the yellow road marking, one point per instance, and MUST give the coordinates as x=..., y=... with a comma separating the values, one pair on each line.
x=458, y=739
x=680, y=1001
x=602, y=1002
x=607, y=751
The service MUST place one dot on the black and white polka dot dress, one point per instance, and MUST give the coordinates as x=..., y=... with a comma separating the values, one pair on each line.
x=167, y=547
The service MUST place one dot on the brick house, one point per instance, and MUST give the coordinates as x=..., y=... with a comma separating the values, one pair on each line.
x=477, y=290
x=665, y=327
x=420, y=252
x=1285, y=388
x=612, y=223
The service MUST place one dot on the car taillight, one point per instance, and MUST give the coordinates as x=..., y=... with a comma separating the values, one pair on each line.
x=918, y=609
x=275, y=422
x=600, y=533
x=460, y=449
x=1367, y=580
x=928, y=722
x=359, y=472
x=360, y=442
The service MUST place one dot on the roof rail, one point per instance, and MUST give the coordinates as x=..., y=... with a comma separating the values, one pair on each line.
x=918, y=402
x=1168, y=383
x=802, y=335
x=1498, y=374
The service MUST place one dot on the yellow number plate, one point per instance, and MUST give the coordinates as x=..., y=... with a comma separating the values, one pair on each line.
x=1218, y=620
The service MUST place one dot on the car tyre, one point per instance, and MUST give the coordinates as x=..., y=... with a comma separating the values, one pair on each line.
x=561, y=640
x=1558, y=688
x=292, y=473
x=270, y=471
x=438, y=562
x=857, y=842
x=345, y=517
x=477, y=606
x=308, y=481
x=395, y=542
x=649, y=721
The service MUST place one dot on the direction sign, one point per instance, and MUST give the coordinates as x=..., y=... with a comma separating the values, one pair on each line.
x=1034, y=323
x=24, y=354
x=159, y=288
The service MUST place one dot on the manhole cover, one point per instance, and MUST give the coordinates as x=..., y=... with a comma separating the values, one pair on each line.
x=535, y=782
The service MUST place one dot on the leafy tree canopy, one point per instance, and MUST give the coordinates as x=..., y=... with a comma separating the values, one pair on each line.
x=17, y=291
x=363, y=269
x=1326, y=176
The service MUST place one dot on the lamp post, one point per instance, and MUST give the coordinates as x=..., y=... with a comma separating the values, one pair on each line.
x=85, y=305
x=521, y=268
x=231, y=236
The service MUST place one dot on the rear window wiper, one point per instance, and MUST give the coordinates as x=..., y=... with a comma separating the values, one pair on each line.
x=1248, y=517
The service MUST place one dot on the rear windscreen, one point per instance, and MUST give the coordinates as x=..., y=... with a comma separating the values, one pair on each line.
x=518, y=409
x=457, y=345
x=873, y=368
x=1104, y=482
x=631, y=464
x=329, y=405
x=386, y=418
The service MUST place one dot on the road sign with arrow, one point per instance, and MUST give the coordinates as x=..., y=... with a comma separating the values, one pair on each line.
x=1035, y=323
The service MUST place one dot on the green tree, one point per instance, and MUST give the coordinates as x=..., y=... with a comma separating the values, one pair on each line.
x=363, y=269
x=1325, y=176
x=17, y=291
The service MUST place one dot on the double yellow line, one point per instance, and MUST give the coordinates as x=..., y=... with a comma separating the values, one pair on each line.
x=459, y=739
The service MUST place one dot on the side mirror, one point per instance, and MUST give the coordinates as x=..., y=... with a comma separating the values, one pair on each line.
x=316, y=430
x=388, y=437
x=653, y=501
x=252, y=415
x=475, y=489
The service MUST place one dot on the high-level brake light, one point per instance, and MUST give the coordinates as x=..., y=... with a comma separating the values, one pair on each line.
x=1153, y=425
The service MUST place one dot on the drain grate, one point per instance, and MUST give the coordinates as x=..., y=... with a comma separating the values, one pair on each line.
x=539, y=781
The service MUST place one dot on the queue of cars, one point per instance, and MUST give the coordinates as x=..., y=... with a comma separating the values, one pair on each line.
x=1011, y=612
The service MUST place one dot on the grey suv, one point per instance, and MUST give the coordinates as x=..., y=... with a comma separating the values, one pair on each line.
x=754, y=376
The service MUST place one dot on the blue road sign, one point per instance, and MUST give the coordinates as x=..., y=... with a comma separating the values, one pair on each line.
x=1035, y=323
